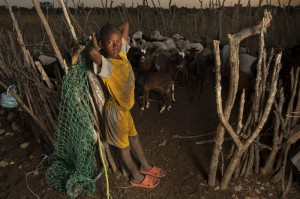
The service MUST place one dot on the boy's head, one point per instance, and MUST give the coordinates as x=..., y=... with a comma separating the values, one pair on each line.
x=110, y=40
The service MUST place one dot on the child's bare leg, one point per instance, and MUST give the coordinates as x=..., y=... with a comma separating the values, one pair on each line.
x=137, y=177
x=136, y=145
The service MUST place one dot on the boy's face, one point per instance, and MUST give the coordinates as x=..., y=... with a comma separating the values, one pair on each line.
x=112, y=44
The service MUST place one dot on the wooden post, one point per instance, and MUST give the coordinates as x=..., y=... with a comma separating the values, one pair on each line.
x=170, y=9
x=44, y=75
x=239, y=151
x=19, y=35
x=51, y=37
x=287, y=26
x=99, y=97
x=234, y=63
x=162, y=17
x=71, y=28
x=277, y=139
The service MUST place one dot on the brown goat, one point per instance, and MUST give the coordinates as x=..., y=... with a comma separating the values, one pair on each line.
x=169, y=63
x=146, y=63
x=159, y=82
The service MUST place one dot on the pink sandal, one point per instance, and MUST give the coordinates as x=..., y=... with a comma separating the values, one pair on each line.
x=148, y=182
x=155, y=172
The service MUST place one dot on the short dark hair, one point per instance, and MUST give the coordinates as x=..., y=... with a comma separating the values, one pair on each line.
x=105, y=30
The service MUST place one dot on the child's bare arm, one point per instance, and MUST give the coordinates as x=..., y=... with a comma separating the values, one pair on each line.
x=94, y=53
x=124, y=28
x=95, y=56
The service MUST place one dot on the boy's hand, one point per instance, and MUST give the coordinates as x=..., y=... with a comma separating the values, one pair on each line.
x=95, y=56
x=95, y=42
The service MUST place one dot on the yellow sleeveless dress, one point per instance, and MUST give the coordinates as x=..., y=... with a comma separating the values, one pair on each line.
x=119, y=82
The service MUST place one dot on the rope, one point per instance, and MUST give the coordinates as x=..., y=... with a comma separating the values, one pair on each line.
x=104, y=166
x=29, y=187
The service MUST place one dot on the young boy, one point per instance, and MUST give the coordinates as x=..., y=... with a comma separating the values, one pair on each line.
x=112, y=65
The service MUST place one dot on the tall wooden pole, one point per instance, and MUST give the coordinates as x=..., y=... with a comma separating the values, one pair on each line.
x=50, y=35
x=71, y=28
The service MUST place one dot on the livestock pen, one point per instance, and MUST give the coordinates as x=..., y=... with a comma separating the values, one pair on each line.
x=169, y=138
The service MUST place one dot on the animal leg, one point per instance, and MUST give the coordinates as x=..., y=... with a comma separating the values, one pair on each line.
x=147, y=99
x=173, y=91
x=164, y=103
x=169, y=99
x=162, y=109
x=157, y=67
x=144, y=99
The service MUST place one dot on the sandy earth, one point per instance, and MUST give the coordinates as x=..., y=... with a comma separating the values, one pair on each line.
x=185, y=162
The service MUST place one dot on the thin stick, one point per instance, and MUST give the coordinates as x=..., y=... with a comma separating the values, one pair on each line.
x=261, y=145
x=50, y=35
x=288, y=186
x=19, y=35
x=36, y=119
x=71, y=27
x=212, y=141
x=44, y=75
x=196, y=136
x=193, y=136
x=287, y=25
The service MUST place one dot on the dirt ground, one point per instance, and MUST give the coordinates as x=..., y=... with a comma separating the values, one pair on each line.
x=186, y=163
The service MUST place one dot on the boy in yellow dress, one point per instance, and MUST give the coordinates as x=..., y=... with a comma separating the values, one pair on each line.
x=111, y=64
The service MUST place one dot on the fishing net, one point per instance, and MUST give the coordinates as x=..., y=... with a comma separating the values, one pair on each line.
x=73, y=167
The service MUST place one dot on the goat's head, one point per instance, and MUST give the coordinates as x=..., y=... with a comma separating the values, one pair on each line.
x=178, y=58
x=134, y=55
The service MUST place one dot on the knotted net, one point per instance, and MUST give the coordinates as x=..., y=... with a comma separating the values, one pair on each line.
x=73, y=167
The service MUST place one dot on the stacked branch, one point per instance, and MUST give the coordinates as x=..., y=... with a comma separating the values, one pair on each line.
x=286, y=133
x=32, y=83
x=244, y=153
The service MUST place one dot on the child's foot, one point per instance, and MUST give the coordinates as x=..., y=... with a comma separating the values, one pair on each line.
x=148, y=182
x=155, y=172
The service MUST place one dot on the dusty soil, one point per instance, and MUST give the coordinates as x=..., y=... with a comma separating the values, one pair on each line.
x=186, y=163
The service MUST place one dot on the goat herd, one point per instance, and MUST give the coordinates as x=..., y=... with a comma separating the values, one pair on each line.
x=159, y=62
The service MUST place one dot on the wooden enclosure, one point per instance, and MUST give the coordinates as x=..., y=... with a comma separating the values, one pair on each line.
x=59, y=31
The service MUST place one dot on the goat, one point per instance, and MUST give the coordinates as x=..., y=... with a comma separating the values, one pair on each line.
x=188, y=46
x=225, y=55
x=134, y=55
x=177, y=37
x=137, y=35
x=155, y=35
x=156, y=47
x=159, y=82
x=247, y=66
x=140, y=60
x=147, y=80
x=184, y=73
x=199, y=68
x=146, y=63
x=169, y=63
